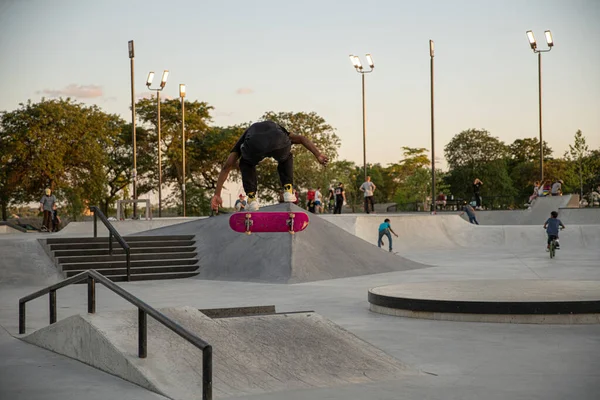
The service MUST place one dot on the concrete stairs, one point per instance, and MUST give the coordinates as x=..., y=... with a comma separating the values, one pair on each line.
x=152, y=257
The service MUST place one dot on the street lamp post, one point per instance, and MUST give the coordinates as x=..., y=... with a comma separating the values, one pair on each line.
x=431, y=54
x=134, y=172
x=359, y=68
x=163, y=82
x=533, y=45
x=182, y=95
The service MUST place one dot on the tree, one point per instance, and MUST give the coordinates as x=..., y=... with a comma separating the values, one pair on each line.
x=58, y=144
x=523, y=164
x=528, y=150
x=476, y=154
x=578, y=155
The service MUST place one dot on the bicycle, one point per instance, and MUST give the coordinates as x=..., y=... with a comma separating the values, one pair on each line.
x=552, y=247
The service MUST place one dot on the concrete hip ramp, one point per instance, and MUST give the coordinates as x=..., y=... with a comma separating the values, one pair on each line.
x=252, y=354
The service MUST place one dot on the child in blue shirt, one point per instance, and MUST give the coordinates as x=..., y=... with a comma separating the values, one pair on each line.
x=552, y=225
x=385, y=229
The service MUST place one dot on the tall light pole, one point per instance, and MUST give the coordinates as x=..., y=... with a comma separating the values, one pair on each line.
x=533, y=45
x=182, y=95
x=359, y=68
x=163, y=82
x=133, y=134
x=431, y=54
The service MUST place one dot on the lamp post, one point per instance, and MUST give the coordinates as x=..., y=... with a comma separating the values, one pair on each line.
x=182, y=96
x=431, y=54
x=163, y=82
x=359, y=68
x=533, y=45
x=133, y=134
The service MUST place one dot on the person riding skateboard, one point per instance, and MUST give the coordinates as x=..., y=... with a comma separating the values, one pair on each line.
x=261, y=140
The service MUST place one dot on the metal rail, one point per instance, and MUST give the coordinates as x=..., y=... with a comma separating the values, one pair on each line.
x=112, y=232
x=143, y=310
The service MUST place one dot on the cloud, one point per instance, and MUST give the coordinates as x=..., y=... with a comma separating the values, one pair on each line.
x=73, y=90
x=244, y=91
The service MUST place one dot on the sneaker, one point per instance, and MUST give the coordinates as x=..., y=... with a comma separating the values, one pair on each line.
x=557, y=247
x=252, y=206
x=288, y=194
x=390, y=250
x=547, y=250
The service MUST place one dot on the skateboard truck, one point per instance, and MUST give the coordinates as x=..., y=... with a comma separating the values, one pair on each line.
x=248, y=223
x=290, y=223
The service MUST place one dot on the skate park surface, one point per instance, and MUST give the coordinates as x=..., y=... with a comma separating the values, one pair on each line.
x=443, y=359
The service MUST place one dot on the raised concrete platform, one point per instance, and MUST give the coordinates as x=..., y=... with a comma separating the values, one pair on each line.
x=506, y=301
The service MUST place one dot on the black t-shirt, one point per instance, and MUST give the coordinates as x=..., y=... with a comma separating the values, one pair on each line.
x=339, y=193
x=476, y=187
x=260, y=139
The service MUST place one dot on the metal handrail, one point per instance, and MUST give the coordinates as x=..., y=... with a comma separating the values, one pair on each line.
x=143, y=309
x=112, y=232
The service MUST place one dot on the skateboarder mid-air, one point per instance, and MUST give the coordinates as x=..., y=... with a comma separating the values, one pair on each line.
x=261, y=140
x=552, y=225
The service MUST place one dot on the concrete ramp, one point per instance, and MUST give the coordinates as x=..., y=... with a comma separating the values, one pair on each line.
x=536, y=214
x=322, y=251
x=23, y=261
x=252, y=355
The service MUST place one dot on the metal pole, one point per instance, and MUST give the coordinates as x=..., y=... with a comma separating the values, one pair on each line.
x=133, y=133
x=183, y=150
x=540, y=110
x=142, y=334
x=207, y=372
x=433, y=192
x=159, y=158
x=91, y=295
x=21, y=318
x=364, y=116
x=52, y=305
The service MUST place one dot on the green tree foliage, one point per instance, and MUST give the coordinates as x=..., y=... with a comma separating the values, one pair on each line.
x=581, y=165
x=524, y=164
x=58, y=144
x=476, y=154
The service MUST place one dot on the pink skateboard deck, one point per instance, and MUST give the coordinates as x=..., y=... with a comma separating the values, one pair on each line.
x=268, y=221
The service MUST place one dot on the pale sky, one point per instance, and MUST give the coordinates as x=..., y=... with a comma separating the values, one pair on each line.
x=248, y=57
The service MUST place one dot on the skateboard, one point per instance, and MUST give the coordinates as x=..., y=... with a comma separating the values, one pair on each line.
x=268, y=221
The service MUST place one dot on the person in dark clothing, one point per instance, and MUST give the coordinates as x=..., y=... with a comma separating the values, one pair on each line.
x=55, y=220
x=261, y=140
x=552, y=226
x=470, y=213
x=476, y=188
x=340, y=198
x=47, y=205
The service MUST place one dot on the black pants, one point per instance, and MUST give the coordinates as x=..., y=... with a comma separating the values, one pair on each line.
x=338, y=206
x=369, y=199
x=285, y=168
x=48, y=220
x=477, y=200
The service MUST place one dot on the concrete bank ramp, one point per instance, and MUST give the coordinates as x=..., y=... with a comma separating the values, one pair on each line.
x=322, y=251
x=23, y=261
x=435, y=232
x=251, y=354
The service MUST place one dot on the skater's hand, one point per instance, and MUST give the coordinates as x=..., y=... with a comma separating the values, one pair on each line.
x=323, y=159
x=215, y=202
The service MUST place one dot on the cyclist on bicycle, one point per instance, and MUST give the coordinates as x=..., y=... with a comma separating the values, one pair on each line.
x=552, y=225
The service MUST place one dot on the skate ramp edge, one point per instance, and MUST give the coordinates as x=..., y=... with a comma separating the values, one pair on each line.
x=252, y=354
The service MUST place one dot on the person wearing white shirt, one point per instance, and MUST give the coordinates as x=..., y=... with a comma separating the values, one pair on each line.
x=368, y=188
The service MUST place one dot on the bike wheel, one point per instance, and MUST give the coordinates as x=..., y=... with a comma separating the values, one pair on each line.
x=552, y=248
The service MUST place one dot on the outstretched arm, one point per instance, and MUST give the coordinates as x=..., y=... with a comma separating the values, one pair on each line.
x=216, y=201
x=304, y=141
x=391, y=230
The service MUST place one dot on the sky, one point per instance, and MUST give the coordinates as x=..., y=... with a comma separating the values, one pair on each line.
x=248, y=57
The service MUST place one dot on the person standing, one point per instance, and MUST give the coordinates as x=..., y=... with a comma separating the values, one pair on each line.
x=340, y=198
x=47, y=205
x=368, y=188
x=556, y=188
x=318, y=201
x=476, y=192
x=240, y=203
x=384, y=230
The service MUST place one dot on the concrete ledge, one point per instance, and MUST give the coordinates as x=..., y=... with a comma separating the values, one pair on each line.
x=506, y=301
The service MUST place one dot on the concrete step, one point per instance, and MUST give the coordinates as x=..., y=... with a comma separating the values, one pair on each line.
x=110, y=272
x=154, y=277
x=134, y=257
x=128, y=239
x=122, y=264
x=101, y=245
x=119, y=250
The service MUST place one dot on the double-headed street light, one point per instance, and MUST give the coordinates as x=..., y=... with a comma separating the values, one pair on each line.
x=163, y=82
x=533, y=45
x=359, y=68
x=182, y=96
